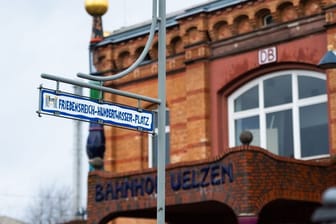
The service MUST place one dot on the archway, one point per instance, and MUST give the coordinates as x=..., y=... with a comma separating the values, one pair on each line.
x=287, y=211
x=203, y=212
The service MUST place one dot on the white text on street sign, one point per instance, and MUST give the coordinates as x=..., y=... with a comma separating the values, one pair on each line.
x=83, y=108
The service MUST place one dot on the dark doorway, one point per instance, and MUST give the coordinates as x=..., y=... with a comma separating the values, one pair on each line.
x=287, y=212
x=197, y=213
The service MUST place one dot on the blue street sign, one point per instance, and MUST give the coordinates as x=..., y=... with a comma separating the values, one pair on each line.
x=83, y=108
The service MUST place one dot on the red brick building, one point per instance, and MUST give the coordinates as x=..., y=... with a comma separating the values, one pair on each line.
x=231, y=66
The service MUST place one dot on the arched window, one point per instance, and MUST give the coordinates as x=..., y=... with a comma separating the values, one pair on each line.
x=264, y=18
x=138, y=52
x=222, y=30
x=242, y=24
x=124, y=60
x=177, y=45
x=287, y=12
x=267, y=20
x=153, y=52
x=285, y=111
x=192, y=35
x=311, y=7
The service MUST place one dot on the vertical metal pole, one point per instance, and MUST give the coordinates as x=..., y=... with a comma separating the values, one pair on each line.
x=78, y=161
x=161, y=166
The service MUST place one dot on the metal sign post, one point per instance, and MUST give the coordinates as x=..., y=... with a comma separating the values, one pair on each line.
x=161, y=166
x=158, y=18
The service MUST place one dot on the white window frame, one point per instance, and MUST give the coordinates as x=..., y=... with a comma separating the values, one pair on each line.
x=261, y=111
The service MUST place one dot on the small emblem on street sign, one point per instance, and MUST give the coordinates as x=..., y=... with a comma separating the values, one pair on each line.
x=71, y=106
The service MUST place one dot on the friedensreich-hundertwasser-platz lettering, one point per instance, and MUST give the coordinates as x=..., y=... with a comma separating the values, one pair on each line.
x=185, y=179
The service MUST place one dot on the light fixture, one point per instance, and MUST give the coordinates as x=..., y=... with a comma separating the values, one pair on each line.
x=326, y=213
x=329, y=59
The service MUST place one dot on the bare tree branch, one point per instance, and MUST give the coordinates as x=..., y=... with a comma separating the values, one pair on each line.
x=51, y=206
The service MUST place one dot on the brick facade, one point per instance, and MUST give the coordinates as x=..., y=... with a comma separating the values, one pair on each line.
x=253, y=178
x=210, y=53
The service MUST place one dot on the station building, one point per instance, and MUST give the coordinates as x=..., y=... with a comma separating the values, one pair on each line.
x=231, y=66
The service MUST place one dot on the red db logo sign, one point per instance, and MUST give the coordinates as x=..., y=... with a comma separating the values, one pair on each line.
x=267, y=55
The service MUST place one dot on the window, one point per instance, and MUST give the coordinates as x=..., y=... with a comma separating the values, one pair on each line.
x=176, y=46
x=263, y=17
x=138, y=52
x=286, y=113
x=267, y=20
x=153, y=142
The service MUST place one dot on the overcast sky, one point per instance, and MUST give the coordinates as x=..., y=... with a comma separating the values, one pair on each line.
x=46, y=36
